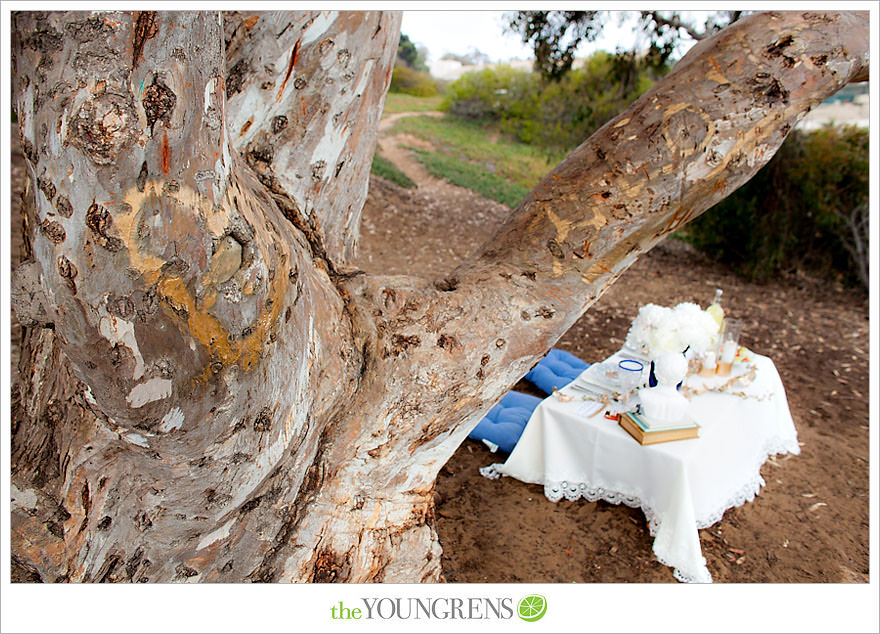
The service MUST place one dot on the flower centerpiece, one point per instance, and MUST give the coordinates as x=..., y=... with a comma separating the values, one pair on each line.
x=659, y=329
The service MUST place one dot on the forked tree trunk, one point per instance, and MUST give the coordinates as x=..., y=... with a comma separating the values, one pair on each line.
x=209, y=390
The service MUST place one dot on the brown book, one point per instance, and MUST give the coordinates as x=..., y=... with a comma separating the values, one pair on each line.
x=636, y=429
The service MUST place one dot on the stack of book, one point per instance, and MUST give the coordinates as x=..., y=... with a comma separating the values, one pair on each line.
x=648, y=433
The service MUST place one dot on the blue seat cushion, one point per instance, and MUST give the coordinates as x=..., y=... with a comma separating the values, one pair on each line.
x=504, y=423
x=557, y=369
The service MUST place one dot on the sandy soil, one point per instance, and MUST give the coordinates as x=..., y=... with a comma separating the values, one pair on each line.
x=810, y=522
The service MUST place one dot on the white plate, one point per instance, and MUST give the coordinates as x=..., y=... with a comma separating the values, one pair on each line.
x=597, y=381
x=592, y=391
x=629, y=353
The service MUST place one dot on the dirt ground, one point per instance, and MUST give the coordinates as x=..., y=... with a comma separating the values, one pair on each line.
x=810, y=522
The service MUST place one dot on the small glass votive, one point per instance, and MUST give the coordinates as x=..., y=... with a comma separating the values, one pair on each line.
x=630, y=376
x=728, y=345
x=707, y=365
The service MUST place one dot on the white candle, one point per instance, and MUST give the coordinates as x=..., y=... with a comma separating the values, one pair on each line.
x=709, y=360
x=728, y=351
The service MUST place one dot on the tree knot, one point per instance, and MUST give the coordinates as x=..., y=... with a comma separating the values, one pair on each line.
x=102, y=126
x=158, y=101
x=99, y=221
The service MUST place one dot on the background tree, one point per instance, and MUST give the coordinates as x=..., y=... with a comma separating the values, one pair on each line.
x=208, y=390
x=410, y=74
x=411, y=56
x=556, y=35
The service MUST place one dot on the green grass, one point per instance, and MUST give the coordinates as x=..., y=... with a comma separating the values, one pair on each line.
x=387, y=170
x=517, y=163
x=399, y=102
x=472, y=177
x=468, y=154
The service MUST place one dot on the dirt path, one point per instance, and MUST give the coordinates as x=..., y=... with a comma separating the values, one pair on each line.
x=429, y=219
x=395, y=147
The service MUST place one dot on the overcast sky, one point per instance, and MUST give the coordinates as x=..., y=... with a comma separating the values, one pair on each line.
x=461, y=31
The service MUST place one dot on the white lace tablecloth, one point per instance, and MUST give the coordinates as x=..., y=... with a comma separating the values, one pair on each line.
x=681, y=486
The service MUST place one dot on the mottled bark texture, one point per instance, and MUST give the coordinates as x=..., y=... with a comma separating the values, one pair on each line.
x=209, y=392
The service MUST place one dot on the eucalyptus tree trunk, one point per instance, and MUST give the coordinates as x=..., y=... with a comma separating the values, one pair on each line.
x=209, y=391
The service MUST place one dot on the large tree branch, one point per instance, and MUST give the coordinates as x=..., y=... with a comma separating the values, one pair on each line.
x=695, y=137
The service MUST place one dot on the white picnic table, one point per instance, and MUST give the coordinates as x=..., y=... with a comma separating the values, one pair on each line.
x=681, y=486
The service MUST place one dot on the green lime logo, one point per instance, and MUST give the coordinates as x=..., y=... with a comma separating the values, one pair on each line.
x=531, y=608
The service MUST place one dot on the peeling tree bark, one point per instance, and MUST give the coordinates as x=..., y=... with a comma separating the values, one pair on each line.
x=221, y=397
x=311, y=83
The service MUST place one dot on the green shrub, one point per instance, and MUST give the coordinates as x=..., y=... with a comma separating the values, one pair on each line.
x=487, y=93
x=387, y=170
x=806, y=209
x=555, y=115
x=412, y=82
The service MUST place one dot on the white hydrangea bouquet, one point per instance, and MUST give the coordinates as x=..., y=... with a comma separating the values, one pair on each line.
x=658, y=329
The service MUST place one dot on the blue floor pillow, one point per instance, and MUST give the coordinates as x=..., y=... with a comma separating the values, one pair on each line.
x=504, y=423
x=557, y=369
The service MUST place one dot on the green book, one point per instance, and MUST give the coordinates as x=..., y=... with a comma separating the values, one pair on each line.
x=645, y=425
x=634, y=426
